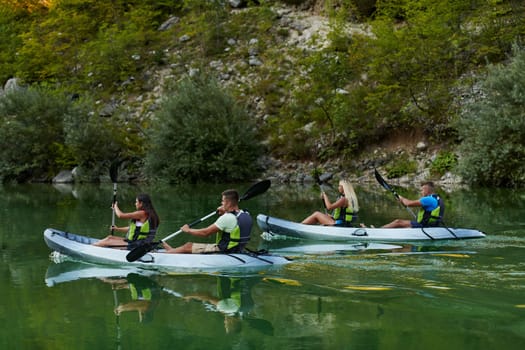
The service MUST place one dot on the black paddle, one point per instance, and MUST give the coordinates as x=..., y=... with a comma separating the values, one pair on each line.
x=321, y=186
x=140, y=251
x=113, y=174
x=383, y=183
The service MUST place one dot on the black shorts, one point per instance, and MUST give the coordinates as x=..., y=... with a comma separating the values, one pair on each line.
x=134, y=244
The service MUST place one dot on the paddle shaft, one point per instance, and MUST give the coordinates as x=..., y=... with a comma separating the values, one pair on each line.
x=321, y=185
x=383, y=183
x=190, y=225
x=112, y=207
x=113, y=174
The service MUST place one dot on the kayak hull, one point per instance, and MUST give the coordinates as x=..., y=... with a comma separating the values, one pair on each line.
x=274, y=227
x=68, y=271
x=330, y=248
x=81, y=248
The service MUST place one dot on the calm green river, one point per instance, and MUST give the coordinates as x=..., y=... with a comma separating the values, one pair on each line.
x=467, y=294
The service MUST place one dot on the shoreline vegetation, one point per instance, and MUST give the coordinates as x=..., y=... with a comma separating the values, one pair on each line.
x=227, y=91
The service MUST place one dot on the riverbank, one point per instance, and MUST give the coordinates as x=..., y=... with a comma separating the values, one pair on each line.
x=362, y=170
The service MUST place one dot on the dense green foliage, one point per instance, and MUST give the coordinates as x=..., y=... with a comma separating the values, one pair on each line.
x=43, y=131
x=200, y=134
x=383, y=66
x=92, y=141
x=445, y=161
x=86, y=44
x=402, y=166
x=493, y=129
x=31, y=137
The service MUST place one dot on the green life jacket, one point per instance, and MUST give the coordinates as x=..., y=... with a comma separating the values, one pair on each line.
x=140, y=232
x=229, y=291
x=229, y=287
x=236, y=239
x=343, y=216
x=140, y=293
x=434, y=217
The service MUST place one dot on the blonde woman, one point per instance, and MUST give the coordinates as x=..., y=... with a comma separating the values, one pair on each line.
x=344, y=209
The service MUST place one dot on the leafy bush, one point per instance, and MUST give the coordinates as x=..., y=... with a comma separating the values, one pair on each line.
x=30, y=133
x=42, y=132
x=320, y=112
x=445, y=161
x=199, y=134
x=12, y=22
x=402, y=166
x=93, y=141
x=493, y=129
x=120, y=50
x=68, y=46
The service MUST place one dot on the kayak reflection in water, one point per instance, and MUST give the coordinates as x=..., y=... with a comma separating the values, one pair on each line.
x=144, y=295
x=234, y=301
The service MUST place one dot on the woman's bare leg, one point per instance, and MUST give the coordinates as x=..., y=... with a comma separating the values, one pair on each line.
x=318, y=217
x=112, y=242
x=398, y=223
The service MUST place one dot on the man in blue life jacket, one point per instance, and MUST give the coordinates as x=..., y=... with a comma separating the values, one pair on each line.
x=233, y=228
x=431, y=212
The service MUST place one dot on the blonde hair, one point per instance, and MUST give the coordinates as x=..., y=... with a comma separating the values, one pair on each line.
x=350, y=195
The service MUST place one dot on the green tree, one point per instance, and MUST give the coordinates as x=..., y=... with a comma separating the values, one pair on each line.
x=93, y=141
x=51, y=49
x=321, y=103
x=69, y=47
x=199, y=134
x=414, y=59
x=12, y=22
x=30, y=134
x=120, y=49
x=492, y=130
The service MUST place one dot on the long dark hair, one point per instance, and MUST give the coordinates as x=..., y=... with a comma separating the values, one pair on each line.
x=147, y=206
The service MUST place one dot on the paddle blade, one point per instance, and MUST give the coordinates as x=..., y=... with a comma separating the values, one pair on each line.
x=381, y=181
x=257, y=189
x=113, y=170
x=387, y=186
x=138, y=252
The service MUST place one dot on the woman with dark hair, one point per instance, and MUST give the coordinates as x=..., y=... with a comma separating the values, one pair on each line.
x=142, y=228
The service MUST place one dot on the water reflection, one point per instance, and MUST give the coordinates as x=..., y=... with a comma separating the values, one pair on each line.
x=143, y=295
x=140, y=291
x=233, y=299
x=297, y=247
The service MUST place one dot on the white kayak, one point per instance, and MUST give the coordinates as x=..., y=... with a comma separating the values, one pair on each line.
x=279, y=227
x=67, y=271
x=332, y=248
x=80, y=247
